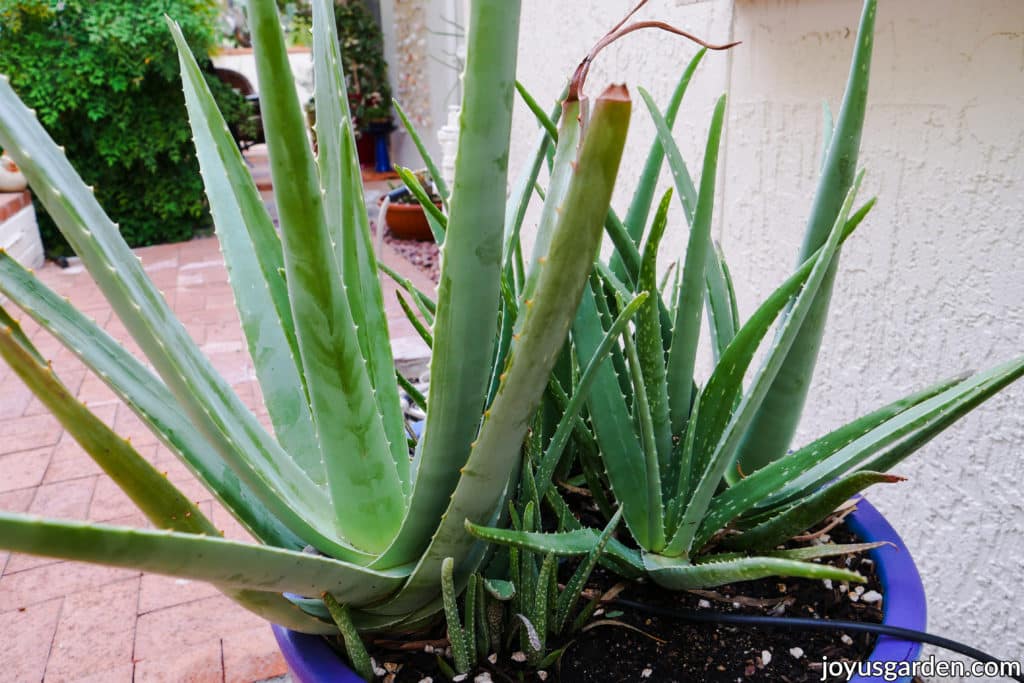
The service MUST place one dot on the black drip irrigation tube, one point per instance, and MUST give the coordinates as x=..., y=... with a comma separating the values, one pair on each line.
x=805, y=624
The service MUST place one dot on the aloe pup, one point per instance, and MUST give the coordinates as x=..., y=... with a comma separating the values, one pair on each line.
x=336, y=476
x=695, y=468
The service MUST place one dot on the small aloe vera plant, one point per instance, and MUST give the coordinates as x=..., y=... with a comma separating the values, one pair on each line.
x=354, y=531
x=701, y=473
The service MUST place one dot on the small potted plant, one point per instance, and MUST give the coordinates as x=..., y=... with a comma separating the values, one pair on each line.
x=407, y=208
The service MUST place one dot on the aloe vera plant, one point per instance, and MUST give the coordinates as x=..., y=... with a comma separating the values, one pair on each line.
x=695, y=468
x=351, y=526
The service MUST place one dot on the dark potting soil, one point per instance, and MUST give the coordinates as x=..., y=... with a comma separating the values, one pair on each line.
x=621, y=644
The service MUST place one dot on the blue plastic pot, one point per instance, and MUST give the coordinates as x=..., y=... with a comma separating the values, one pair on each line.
x=311, y=660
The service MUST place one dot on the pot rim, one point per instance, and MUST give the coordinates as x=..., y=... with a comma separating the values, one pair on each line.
x=310, y=659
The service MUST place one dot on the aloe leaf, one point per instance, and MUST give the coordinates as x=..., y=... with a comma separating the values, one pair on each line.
x=428, y=160
x=423, y=301
x=230, y=564
x=145, y=395
x=252, y=254
x=613, y=426
x=469, y=616
x=519, y=197
x=686, y=327
x=675, y=574
x=909, y=429
x=223, y=419
x=649, y=346
x=509, y=313
x=14, y=328
x=625, y=249
x=354, y=646
x=415, y=322
x=643, y=196
x=684, y=454
x=344, y=210
x=162, y=503
x=625, y=246
x=159, y=500
x=539, y=614
x=363, y=479
x=725, y=448
x=642, y=414
x=415, y=394
x=723, y=315
x=456, y=634
x=815, y=552
x=574, y=587
x=546, y=122
x=568, y=422
x=720, y=395
x=558, y=187
x=759, y=487
x=495, y=454
x=772, y=429
x=562, y=543
x=805, y=512
x=828, y=128
x=471, y=267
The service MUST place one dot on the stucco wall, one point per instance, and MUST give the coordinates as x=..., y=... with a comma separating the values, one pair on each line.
x=931, y=285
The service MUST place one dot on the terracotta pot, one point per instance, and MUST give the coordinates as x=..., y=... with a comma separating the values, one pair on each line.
x=408, y=222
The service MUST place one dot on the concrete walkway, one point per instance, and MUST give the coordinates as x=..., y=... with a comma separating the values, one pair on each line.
x=65, y=621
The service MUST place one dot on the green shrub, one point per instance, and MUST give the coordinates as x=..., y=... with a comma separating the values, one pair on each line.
x=103, y=77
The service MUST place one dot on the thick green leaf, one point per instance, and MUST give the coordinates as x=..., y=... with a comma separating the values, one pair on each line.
x=725, y=448
x=366, y=491
x=772, y=429
x=145, y=395
x=650, y=348
x=677, y=575
x=574, y=587
x=558, y=188
x=686, y=326
x=645, y=425
x=252, y=254
x=621, y=452
x=496, y=452
x=221, y=562
x=723, y=315
x=805, y=512
x=759, y=487
x=569, y=420
x=562, y=544
x=428, y=160
x=161, y=502
x=354, y=646
x=223, y=419
x=916, y=425
x=643, y=196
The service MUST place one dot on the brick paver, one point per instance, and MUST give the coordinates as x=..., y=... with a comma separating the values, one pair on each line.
x=64, y=621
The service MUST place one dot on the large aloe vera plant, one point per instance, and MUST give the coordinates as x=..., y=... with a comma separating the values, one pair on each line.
x=696, y=469
x=350, y=524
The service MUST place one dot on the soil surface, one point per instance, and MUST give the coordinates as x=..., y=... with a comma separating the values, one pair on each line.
x=621, y=644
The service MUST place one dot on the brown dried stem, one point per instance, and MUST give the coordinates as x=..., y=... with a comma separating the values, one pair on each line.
x=620, y=30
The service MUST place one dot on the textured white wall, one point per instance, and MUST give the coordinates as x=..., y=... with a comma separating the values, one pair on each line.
x=931, y=285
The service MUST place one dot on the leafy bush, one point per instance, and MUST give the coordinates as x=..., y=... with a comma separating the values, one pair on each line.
x=103, y=77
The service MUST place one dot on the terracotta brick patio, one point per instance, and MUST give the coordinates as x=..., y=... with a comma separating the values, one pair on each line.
x=63, y=621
